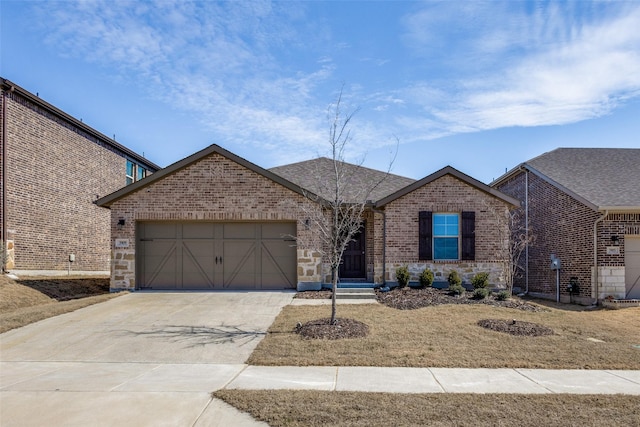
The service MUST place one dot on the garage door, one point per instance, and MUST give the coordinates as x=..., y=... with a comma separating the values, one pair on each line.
x=632, y=265
x=217, y=256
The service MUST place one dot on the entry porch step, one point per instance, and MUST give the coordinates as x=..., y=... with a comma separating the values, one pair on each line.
x=356, y=293
x=356, y=285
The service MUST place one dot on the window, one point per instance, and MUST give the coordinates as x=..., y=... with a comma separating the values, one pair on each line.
x=446, y=232
x=130, y=172
x=446, y=236
x=135, y=172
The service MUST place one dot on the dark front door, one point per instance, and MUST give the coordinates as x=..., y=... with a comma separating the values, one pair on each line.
x=353, y=260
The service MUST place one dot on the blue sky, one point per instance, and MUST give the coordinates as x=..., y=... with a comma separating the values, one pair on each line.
x=480, y=86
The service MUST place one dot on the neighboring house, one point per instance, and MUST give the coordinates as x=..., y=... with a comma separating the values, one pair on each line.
x=54, y=168
x=216, y=221
x=583, y=207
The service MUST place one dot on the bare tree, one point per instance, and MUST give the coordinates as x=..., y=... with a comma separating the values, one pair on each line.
x=520, y=237
x=513, y=232
x=343, y=204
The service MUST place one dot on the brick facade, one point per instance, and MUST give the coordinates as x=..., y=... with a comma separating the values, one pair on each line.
x=53, y=173
x=213, y=188
x=447, y=194
x=562, y=225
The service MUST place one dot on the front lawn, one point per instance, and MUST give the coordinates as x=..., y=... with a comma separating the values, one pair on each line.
x=327, y=408
x=449, y=336
x=30, y=300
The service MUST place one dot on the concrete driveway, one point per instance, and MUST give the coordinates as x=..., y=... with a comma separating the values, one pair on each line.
x=140, y=359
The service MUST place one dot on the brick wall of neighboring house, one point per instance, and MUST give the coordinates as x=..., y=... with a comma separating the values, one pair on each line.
x=54, y=173
x=620, y=225
x=213, y=188
x=611, y=254
x=447, y=194
x=560, y=225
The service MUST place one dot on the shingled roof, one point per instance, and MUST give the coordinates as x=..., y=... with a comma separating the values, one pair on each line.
x=318, y=177
x=603, y=178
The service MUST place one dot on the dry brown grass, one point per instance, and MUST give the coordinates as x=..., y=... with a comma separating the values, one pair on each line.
x=31, y=300
x=317, y=408
x=448, y=336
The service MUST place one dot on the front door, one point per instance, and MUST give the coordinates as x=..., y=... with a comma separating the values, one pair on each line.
x=354, y=264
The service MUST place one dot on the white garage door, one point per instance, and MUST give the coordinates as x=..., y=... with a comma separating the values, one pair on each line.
x=205, y=255
x=632, y=266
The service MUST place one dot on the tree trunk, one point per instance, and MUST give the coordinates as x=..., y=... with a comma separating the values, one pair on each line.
x=334, y=286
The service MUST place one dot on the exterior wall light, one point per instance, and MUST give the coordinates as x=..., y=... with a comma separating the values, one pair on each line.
x=121, y=223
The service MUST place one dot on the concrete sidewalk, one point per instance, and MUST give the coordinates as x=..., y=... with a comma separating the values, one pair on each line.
x=153, y=377
x=98, y=393
x=438, y=380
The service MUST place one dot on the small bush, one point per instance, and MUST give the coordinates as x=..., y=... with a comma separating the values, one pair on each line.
x=454, y=278
x=503, y=296
x=480, y=281
x=426, y=278
x=402, y=276
x=481, y=293
x=457, y=289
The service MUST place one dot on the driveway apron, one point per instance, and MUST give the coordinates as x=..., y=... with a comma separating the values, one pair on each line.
x=145, y=358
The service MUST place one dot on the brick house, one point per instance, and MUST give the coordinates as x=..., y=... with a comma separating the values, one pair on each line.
x=54, y=168
x=583, y=207
x=216, y=221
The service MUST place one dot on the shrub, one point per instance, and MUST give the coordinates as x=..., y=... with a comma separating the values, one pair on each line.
x=402, y=276
x=454, y=278
x=480, y=281
x=481, y=293
x=457, y=289
x=503, y=296
x=426, y=278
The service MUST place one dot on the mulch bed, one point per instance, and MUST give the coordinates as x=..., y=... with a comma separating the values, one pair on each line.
x=64, y=288
x=412, y=298
x=516, y=327
x=323, y=329
x=323, y=294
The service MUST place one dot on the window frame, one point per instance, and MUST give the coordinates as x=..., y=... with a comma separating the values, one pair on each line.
x=137, y=172
x=446, y=236
x=130, y=178
x=467, y=230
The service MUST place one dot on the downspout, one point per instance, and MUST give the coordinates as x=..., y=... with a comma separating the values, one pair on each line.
x=4, y=174
x=526, y=231
x=595, y=254
x=384, y=244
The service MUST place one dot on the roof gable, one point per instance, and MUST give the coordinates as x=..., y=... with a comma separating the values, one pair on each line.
x=602, y=178
x=187, y=161
x=448, y=170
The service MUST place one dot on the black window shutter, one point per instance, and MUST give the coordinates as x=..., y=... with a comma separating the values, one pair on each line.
x=468, y=236
x=425, y=232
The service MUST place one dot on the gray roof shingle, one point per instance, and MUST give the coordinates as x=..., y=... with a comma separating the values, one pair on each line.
x=605, y=177
x=318, y=177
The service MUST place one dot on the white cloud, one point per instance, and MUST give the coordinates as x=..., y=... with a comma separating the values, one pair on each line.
x=256, y=73
x=572, y=70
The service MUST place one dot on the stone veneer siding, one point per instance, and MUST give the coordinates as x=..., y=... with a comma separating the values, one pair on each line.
x=447, y=194
x=563, y=226
x=54, y=173
x=213, y=188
